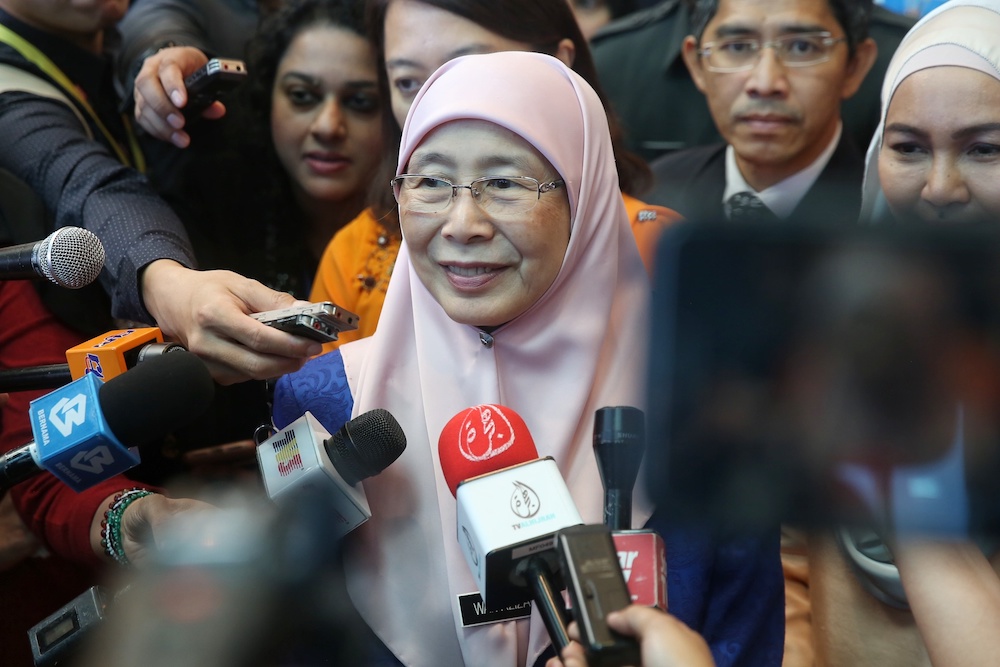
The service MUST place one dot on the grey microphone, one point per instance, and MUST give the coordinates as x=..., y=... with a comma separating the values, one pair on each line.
x=70, y=257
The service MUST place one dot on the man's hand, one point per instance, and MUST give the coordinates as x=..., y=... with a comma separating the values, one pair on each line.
x=160, y=93
x=664, y=640
x=207, y=311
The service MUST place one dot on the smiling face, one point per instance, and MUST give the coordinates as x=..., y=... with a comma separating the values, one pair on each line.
x=778, y=119
x=941, y=162
x=326, y=114
x=420, y=38
x=483, y=270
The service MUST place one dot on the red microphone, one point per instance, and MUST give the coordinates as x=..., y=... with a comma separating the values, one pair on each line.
x=510, y=505
x=481, y=440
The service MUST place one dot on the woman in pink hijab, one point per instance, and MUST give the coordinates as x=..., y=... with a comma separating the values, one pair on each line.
x=530, y=294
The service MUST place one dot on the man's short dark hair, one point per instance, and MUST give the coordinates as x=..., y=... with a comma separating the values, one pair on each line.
x=852, y=15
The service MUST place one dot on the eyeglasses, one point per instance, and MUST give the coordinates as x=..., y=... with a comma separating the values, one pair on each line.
x=742, y=53
x=498, y=196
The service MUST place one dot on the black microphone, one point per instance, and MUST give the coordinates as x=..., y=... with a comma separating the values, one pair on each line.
x=70, y=257
x=619, y=441
x=85, y=431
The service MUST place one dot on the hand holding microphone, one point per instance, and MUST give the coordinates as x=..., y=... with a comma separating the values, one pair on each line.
x=521, y=532
x=665, y=641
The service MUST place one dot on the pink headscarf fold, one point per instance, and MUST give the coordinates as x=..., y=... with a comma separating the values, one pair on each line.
x=580, y=347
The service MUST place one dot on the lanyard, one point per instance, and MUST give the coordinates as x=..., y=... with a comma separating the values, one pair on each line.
x=40, y=60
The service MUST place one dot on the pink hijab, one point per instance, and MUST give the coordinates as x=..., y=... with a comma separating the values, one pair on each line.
x=580, y=347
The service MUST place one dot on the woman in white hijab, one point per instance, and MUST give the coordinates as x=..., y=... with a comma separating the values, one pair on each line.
x=936, y=153
x=543, y=311
x=936, y=158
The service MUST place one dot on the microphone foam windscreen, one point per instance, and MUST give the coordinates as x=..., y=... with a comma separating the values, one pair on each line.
x=481, y=440
x=366, y=445
x=70, y=257
x=157, y=396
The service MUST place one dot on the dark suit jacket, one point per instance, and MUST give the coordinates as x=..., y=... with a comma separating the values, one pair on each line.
x=692, y=182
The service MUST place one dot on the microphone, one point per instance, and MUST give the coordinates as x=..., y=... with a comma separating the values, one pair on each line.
x=304, y=455
x=70, y=257
x=510, y=504
x=85, y=432
x=107, y=355
x=619, y=443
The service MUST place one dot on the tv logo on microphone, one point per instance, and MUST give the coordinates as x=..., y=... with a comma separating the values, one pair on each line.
x=485, y=433
x=67, y=413
x=287, y=454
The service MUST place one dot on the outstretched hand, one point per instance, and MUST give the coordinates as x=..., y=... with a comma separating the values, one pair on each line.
x=207, y=311
x=160, y=94
x=664, y=640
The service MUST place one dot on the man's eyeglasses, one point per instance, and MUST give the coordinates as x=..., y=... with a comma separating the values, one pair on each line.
x=742, y=53
x=498, y=196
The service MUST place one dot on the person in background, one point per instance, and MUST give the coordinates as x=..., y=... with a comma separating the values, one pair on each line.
x=518, y=283
x=158, y=36
x=925, y=162
x=592, y=15
x=413, y=38
x=661, y=110
x=299, y=148
x=66, y=141
x=51, y=536
x=774, y=74
x=935, y=599
x=302, y=145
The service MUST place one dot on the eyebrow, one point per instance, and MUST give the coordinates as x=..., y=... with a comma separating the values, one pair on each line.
x=316, y=82
x=973, y=130
x=743, y=30
x=451, y=55
x=963, y=133
x=423, y=160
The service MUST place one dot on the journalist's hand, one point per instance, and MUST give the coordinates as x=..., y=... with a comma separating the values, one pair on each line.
x=207, y=311
x=160, y=93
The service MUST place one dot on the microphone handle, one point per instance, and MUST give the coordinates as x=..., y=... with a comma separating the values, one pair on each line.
x=18, y=262
x=550, y=605
x=35, y=378
x=618, y=509
x=16, y=466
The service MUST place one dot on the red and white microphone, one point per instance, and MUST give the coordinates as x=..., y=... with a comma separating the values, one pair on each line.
x=510, y=501
x=619, y=442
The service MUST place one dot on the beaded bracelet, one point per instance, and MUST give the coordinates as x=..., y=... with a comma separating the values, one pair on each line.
x=111, y=526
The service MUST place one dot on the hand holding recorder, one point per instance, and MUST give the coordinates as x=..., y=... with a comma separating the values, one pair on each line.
x=162, y=95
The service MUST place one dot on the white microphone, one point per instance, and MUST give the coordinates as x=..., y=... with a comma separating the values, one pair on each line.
x=510, y=502
x=304, y=455
x=70, y=257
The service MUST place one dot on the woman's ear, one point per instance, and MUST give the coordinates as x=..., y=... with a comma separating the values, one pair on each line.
x=566, y=52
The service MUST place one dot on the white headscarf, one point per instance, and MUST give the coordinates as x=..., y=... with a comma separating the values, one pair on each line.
x=580, y=347
x=959, y=33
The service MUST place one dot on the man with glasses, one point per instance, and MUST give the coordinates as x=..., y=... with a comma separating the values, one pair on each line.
x=639, y=62
x=774, y=74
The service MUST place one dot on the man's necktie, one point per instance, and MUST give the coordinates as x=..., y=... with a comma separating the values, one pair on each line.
x=746, y=207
